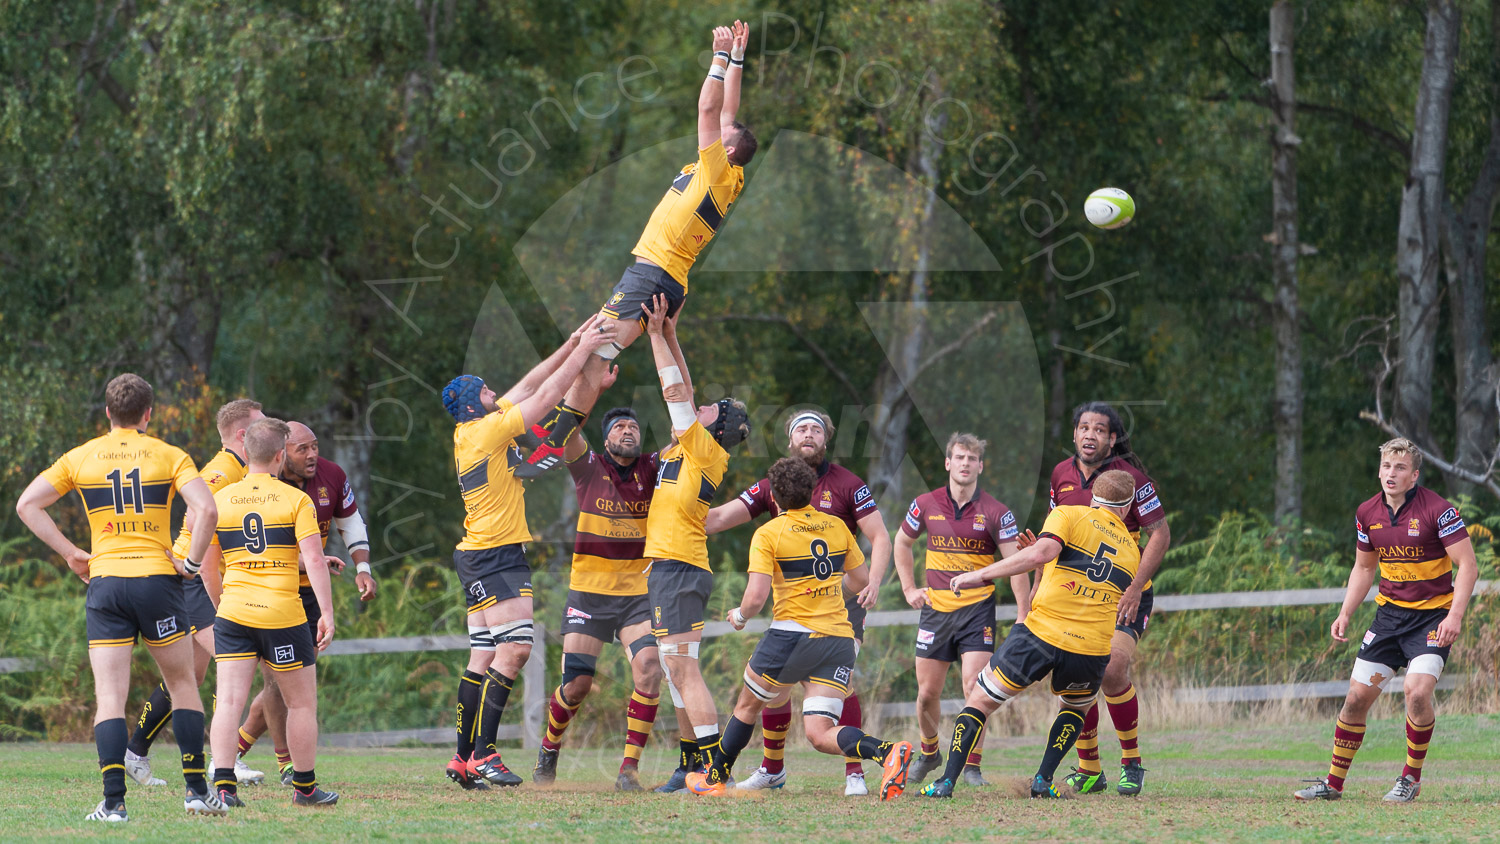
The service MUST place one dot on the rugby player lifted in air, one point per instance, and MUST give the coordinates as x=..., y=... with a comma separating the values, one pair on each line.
x=1412, y=538
x=679, y=582
x=491, y=559
x=127, y=480
x=607, y=595
x=332, y=496
x=226, y=467
x=266, y=530
x=1101, y=444
x=1090, y=559
x=683, y=223
x=802, y=558
x=966, y=528
x=839, y=493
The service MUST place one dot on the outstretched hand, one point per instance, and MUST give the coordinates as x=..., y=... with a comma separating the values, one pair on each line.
x=656, y=314
x=607, y=380
x=723, y=39
x=741, y=40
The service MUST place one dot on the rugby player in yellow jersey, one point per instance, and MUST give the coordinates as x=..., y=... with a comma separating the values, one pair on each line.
x=1090, y=560
x=491, y=559
x=127, y=480
x=805, y=559
x=683, y=223
x=264, y=526
x=679, y=581
x=223, y=468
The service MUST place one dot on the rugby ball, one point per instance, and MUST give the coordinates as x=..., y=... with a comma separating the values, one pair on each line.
x=1109, y=208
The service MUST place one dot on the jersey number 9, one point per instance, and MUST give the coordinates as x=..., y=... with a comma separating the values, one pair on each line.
x=255, y=534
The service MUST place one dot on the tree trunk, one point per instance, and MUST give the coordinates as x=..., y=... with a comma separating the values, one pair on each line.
x=1465, y=231
x=1284, y=310
x=185, y=310
x=1417, y=249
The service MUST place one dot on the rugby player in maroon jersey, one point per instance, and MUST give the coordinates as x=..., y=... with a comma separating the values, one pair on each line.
x=607, y=597
x=843, y=495
x=333, y=499
x=967, y=529
x=1101, y=444
x=1412, y=538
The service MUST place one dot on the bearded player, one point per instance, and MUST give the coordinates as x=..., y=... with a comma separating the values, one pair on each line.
x=327, y=486
x=802, y=557
x=966, y=529
x=491, y=560
x=1101, y=445
x=683, y=223
x=607, y=597
x=226, y=467
x=841, y=494
x=1412, y=538
x=680, y=579
x=1089, y=559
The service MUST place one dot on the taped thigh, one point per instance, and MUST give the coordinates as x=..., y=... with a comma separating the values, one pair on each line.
x=519, y=632
x=687, y=650
x=1430, y=664
x=644, y=642
x=828, y=707
x=1372, y=673
x=578, y=665
x=480, y=638
x=996, y=686
x=759, y=688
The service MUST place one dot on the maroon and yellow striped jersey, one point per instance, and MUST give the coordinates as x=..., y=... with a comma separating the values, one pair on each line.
x=1411, y=544
x=959, y=539
x=609, y=551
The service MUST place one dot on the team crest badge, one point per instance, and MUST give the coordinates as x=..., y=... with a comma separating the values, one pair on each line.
x=1432, y=638
x=617, y=298
x=1415, y=528
x=323, y=496
x=979, y=521
x=658, y=614
x=989, y=635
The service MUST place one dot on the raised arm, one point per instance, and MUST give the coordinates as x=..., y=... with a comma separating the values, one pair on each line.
x=533, y=380
x=676, y=389
x=733, y=76
x=582, y=344
x=711, y=96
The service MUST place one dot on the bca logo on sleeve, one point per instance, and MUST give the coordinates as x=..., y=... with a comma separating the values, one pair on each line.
x=284, y=654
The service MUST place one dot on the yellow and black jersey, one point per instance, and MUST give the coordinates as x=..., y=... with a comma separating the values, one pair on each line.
x=486, y=457
x=261, y=521
x=806, y=553
x=688, y=216
x=1077, y=599
x=222, y=469
x=688, y=476
x=127, y=481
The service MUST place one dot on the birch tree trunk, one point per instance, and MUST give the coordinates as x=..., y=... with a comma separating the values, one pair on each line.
x=1284, y=307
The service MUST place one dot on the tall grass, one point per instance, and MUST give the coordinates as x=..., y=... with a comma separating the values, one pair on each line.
x=41, y=619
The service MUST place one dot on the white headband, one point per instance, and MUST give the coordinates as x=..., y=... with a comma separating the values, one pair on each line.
x=805, y=416
x=1102, y=503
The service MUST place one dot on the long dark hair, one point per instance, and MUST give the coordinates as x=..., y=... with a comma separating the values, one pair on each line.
x=1122, y=447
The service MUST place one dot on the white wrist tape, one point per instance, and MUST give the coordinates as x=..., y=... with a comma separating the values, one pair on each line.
x=682, y=413
x=364, y=568
x=670, y=375
x=737, y=616
x=352, y=528
x=191, y=567
x=737, y=54
x=716, y=72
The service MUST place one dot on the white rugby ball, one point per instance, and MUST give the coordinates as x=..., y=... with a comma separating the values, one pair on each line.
x=1109, y=208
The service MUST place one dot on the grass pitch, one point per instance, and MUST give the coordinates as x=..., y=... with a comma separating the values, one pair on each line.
x=1230, y=785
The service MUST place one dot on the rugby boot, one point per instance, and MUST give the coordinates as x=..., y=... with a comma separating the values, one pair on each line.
x=1319, y=790
x=941, y=787
x=628, y=780
x=319, y=798
x=230, y=799
x=924, y=764
x=855, y=785
x=247, y=775
x=207, y=803
x=109, y=814
x=677, y=782
x=458, y=771
x=973, y=777
x=895, y=770
x=762, y=781
x=493, y=771
x=1044, y=790
x=545, y=772
x=1086, y=782
x=1132, y=777
x=699, y=783
x=138, y=768
x=1405, y=790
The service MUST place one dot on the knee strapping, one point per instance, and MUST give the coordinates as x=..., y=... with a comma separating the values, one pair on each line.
x=688, y=650
x=609, y=352
x=1430, y=664
x=646, y=641
x=480, y=639
x=1366, y=672
x=578, y=665
x=828, y=707
x=514, y=633
x=753, y=683
x=996, y=692
x=672, y=686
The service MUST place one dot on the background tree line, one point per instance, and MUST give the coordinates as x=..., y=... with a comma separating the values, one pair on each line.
x=326, y=206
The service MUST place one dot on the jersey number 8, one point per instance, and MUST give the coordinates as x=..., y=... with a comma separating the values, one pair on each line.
x=255, y=534
x=822, y=563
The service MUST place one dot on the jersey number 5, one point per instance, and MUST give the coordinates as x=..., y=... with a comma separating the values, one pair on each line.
x=1098, y=570
x=255, y=534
